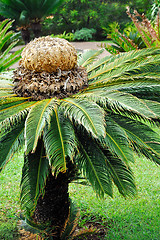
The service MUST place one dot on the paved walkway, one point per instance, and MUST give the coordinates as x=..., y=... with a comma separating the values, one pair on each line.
x=80, y=46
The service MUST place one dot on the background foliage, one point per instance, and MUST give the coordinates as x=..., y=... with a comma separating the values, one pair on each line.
x=98, y=14
x=74, y=15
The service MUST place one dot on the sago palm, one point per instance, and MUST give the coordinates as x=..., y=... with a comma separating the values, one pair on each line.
x=28, y=13
x=77, y=120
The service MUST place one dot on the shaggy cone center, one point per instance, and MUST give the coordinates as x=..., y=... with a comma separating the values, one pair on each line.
x=48, y=68
x=43, y=85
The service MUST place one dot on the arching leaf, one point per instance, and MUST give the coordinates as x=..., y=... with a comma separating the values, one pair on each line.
x=117, y=141
x=137, y=61
x=59, y=140
x=96, y=64
x=11, y=141
x=124, y=103
x=143, y=138
x=92, y=162
x=36, y=120
x=100, y=167
x=122, y=175
x=88, y=57
x=34, y=176
x=85, y=113
x=12, y=108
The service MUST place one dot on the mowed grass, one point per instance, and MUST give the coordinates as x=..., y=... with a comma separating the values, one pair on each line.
x=130, y=219
x=9, y=198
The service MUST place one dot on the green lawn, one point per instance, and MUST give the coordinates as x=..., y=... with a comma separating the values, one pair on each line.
x=9, y=198
x=130, y=219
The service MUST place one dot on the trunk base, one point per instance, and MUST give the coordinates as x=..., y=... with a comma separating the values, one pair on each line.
x=53, y=208
x=25, y=35
x=36, y=28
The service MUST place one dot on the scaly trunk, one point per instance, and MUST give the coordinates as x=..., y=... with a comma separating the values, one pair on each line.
x=36, y=28
x=54, y=206
x=25, y=35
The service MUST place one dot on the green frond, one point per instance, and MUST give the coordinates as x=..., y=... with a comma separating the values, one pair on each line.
x=12, y=9
x=7, y=76
x=5, y=84
x=11, y=140
x=150, y=75
x=117, y=142
x=93, y=164
x=6, y=93
x=10, y=59
x=143, y=138
x=21, y=11
x=5, y=103
x=135, y=62
x=59, y=141
x=3, y=23
x=9, y=109
x=6, y=58
x=101, y=167
x=142, y=89
x=5, y=39
x=38, y=115
x=85, y=113
x=39, y=9
x=121, y=102
x=88, y=57
x=50, y=6
x=9, y=123
x=154, y=106
x=124, y=82
x=121, y=175
x=34, y=176
x=98, y=63
x=4, y=26
x=126, y=70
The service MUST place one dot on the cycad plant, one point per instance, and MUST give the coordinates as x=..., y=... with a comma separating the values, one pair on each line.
x=28, y=14
x=149, y=31
x=123, y=42
x=145, y=33
x=6, y=58
x=78, y=120
x=155, y=9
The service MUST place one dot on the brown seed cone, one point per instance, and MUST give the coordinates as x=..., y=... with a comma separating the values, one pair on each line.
x=49, y=54
x=42, y=85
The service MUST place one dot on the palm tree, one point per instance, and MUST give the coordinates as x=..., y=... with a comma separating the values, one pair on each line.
x=78, y=120
x=28, y=13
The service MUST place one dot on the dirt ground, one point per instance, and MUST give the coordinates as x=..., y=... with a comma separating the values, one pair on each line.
x=91, y=231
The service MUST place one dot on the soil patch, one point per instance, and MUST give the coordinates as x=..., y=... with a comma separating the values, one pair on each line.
x=92, y=230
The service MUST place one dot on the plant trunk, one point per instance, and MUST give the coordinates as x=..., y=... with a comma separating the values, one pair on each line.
x=54, y=206
x=36, y=28
x=25, y=35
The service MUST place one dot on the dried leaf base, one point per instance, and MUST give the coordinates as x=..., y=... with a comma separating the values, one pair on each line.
x=42, y=85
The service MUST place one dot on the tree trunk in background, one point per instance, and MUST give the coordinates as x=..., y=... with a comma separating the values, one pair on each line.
x=25, y=35
x=54, y=206
x=36, y=28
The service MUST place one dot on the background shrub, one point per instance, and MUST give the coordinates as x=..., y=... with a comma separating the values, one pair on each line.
x=97, y=14
x=84, y=34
